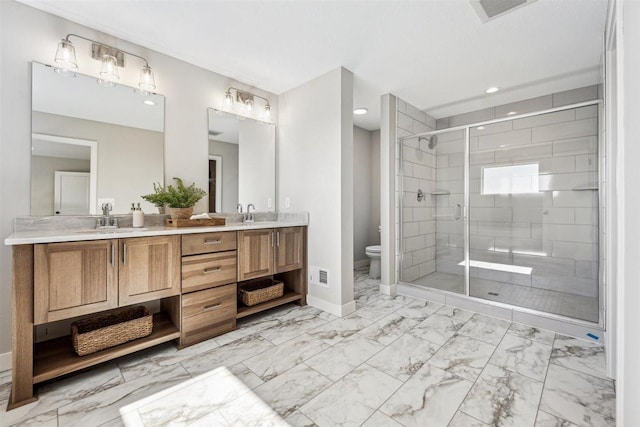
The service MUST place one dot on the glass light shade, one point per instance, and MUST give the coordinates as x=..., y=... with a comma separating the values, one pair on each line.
x=147, y=82
x=66, y=55
x=228, y=100
x=109, y=69
x=266, y=115
x=248, y=106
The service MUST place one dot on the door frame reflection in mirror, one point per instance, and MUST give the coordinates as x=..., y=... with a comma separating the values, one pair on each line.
x=218, y=160
x=93, y=161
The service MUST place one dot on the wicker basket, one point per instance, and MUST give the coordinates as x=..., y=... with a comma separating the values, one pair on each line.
x=108, y=330
x=261, y=291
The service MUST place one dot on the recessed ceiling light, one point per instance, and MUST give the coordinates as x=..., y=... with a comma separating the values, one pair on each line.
x=360, y=111
x=511, y=113
x=492, y=90
x=149, y=102
x=480, y=127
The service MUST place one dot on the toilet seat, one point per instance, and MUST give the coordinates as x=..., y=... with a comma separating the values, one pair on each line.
x=375, y=249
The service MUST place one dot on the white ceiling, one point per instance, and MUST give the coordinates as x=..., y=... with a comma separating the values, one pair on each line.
x=437, y=54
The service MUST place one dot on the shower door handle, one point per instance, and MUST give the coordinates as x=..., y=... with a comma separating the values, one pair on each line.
x=458, y=213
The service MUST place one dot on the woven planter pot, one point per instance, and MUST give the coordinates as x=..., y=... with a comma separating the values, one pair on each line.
x=180, y=213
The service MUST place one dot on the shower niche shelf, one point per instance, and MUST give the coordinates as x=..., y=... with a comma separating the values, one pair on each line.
x=440, y=192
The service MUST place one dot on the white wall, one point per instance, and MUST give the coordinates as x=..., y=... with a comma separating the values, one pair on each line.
x=229, y=154
x=315, y=158
x=29, y=35
x=366, y=191
x=257, y=165
x=627, y=208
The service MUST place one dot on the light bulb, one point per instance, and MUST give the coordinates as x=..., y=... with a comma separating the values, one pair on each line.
x=66, y=55
x=266, y=115
x=248, y=106
x=147, y=82
x=228, y=100
x=109, y=70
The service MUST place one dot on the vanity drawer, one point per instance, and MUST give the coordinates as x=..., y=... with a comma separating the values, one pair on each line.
x=206, y=243
x=207, y=271
x=208, y=313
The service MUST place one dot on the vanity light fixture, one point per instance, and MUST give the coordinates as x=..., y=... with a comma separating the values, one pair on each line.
x=360, y=111
x=248, y=101
x=492, y=90
x=111, y=57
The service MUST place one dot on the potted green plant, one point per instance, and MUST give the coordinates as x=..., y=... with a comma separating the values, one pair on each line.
x=158, y=198
x=179, y=199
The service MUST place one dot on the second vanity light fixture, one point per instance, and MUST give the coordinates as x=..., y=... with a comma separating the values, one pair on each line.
x=246, y=99
x=111, y=57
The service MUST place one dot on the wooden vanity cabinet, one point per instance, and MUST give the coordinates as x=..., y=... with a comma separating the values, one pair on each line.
x=149, y=269
x=255, y=253
x=289, y=250
x=266, y=252
x=209, y=274
x=73, y=279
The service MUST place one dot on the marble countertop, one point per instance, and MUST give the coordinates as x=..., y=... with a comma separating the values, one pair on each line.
x=27, y=237
x=216, y=398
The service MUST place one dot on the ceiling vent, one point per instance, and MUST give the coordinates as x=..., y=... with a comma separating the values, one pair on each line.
x=491, y=9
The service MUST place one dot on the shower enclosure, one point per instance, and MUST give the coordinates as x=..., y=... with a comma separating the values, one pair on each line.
x=507, y=211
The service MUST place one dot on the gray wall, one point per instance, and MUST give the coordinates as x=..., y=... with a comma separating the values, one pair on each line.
x=42, y=180
x=229, y=153
x=366, y=191
x=130, y=160
x=26, y=35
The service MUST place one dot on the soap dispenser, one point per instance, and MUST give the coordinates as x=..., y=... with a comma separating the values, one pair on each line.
x=138, y=217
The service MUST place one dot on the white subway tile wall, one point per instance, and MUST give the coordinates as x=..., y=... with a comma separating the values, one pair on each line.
x=419, y=173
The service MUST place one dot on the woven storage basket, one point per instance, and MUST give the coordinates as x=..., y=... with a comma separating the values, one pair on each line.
x=261, y=291
x=108, y=330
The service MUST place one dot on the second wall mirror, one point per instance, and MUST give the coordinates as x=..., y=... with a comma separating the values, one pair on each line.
x=242, y=163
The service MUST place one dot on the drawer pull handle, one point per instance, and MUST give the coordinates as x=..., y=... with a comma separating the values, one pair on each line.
x=211, y=270
x=211, y=242
x=211, y=307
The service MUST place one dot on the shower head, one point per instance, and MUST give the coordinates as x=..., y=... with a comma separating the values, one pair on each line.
x=431, y=140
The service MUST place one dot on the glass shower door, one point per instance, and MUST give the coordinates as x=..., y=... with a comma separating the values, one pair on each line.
x=533, y=212
x=433, y=230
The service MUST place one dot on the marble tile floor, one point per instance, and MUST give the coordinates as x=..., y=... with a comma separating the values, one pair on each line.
x=396, y=361
x=562, y=303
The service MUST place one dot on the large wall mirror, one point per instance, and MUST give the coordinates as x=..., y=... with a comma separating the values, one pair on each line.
x=242, y=163
x=92, y=144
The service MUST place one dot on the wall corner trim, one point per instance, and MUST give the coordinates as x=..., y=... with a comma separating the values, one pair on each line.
x=335, y=309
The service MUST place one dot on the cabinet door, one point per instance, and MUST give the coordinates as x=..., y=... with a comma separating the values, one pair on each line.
x=289, y=249
x=149, y=268
x=255, y=253
x=73, y=279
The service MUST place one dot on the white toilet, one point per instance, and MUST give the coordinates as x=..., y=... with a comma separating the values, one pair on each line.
x=373, y=252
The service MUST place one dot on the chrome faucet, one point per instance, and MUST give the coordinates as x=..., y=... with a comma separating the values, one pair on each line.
x=106, y=220
x=239, y=207
x=249, y=217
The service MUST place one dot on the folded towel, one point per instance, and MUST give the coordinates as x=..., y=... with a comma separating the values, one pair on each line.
x=201, y=216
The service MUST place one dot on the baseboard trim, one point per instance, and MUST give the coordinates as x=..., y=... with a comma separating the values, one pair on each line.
x=5, y=361
x=335, y=309
x=390, y=290
x=362, y=263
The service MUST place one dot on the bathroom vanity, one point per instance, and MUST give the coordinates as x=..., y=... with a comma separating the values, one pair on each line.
x=191, y=275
